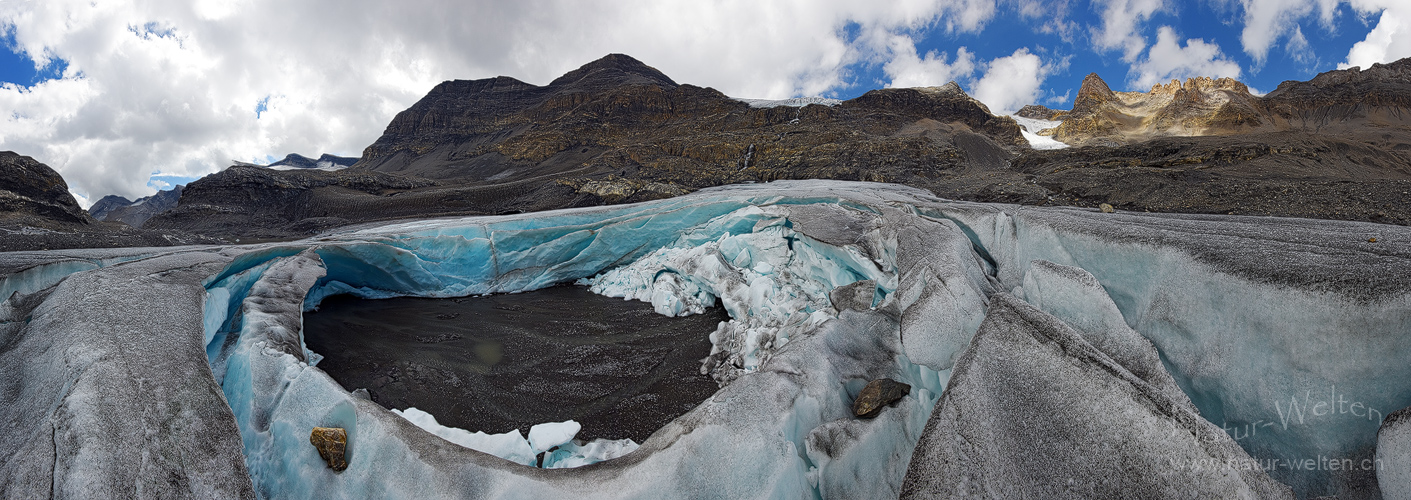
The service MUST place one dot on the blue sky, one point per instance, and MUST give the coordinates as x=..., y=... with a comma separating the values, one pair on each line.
x=130, y=96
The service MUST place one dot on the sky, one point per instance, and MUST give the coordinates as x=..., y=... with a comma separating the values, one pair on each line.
x=127, y=96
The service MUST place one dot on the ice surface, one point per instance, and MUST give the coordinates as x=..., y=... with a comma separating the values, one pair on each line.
x=1393, y=461
x=1267, y=324
x=1258, y=319
x=1035, y=411
x=105, y=393
x=1030, y=128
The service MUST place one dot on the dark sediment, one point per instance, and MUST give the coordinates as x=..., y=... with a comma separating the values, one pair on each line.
x=505, y=362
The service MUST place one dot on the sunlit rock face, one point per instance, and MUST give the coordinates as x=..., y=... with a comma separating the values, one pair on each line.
x=1215, y=327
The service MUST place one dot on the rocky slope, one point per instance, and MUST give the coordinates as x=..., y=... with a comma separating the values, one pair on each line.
x=38, y=213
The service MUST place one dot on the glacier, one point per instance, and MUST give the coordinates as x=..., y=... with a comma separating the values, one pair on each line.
x=1030, y=128
x=1261, y=326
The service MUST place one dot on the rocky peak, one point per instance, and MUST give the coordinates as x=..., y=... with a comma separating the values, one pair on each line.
x=612, y=70
x=107, y=204
x=1092, y=94
x=1039, y=112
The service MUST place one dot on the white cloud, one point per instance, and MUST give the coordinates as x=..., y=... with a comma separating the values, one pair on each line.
x=1389, y=41
x=908, y=69
x=1267, y=21
x=1167, y=60
x=172, y=85
x=1121, y=25
x=1011, y=82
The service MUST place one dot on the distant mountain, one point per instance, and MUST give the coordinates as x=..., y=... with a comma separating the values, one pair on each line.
x=38, y=213
x=324, y=162
x=134, y=213
x=1343, y=102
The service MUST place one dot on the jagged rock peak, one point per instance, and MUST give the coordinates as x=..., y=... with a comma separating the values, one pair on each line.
x=613, y=69
x=1200, y=84
x=1093, y=93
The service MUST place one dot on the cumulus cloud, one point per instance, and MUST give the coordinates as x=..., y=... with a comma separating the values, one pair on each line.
x=174, y=85
x=1167, y=60
x=1012, y=81
x=1389, y=41
x=1268, y=21
x=1121, y=25
x=908, y=69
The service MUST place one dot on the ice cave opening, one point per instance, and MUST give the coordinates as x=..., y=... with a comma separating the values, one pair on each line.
x=506, y=362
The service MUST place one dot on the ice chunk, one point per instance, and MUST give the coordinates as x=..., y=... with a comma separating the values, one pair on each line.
x=510, y=446
x=544, y=437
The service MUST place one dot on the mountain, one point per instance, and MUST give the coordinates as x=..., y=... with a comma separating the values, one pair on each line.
x=135, y=213
x=617, y=131
x=1335, y=147
x=617, y=116
x=325, y=161
x=1199, y=106
x=38, y=213
x=614, y=130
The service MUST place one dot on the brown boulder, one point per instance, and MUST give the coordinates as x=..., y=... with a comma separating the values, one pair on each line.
x=332, y=444
x=878, y=393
